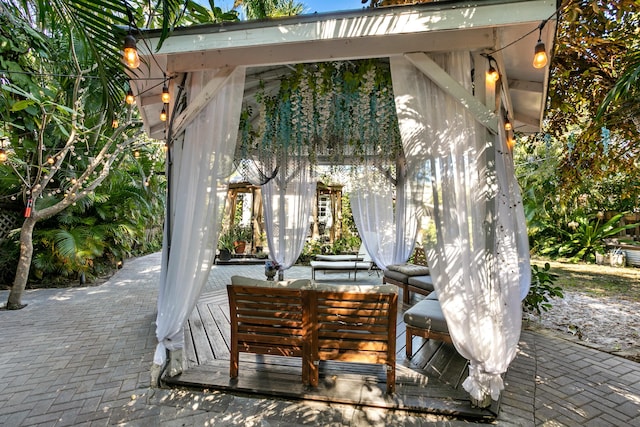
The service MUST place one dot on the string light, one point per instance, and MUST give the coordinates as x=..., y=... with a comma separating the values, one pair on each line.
x=136, y=154
x=129, y=99
x=3, y=155
x=114, y=123
x=540, y=58
x=130, y=55
x=50, y=160
x=507, y=124
x=165, y=94
x=492, y=74
x=163, y=114
x=511, y=142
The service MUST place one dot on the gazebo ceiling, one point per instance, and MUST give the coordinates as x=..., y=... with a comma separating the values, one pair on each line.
x=268, y=48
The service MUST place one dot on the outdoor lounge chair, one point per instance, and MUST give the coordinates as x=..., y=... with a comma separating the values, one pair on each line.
x=345, y=263
x=346, y=266
x=409, y=277
x=426, y=320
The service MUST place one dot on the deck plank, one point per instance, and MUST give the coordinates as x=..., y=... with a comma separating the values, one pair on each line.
x=429, y=382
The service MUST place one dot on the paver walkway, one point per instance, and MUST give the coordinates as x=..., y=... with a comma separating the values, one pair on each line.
x=81, y=356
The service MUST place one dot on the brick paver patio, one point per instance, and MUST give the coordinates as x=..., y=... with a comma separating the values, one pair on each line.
x=81, y=356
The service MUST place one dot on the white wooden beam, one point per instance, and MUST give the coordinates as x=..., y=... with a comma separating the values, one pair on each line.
x=202, y=99
x=331, y=50
x=526, y=86
x=528, y=120
x=447, y=83
x=431, y=17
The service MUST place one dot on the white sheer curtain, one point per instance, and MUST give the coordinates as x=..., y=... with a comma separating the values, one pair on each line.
x=202, y=163
x=479, y=261
x=287, y=200
x=387, y=229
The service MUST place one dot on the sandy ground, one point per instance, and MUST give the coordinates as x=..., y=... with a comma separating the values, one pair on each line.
x=606, y=323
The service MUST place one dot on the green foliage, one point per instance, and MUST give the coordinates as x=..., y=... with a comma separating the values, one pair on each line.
x=340, y=112
x=242, y=233
x=227, y=240
x=9, y=253
x=123, y=218
x=594, y=91
x=542, y=289
x=583, y=236
x=262, y=9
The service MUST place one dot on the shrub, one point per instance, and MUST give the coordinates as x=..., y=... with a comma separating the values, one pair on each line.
x=542, y=289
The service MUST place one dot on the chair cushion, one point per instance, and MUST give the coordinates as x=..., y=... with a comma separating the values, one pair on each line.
x=375, y=289
x=396, y=275
x=338, y=258
x=427, y=314
x=340, y=265
x=409, y=269
x=291, y=283
x=422, y=282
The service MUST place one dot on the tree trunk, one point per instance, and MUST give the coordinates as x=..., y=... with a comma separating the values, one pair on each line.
x=24, y=263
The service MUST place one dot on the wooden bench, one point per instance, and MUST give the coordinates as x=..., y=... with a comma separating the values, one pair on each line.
x=314, y=322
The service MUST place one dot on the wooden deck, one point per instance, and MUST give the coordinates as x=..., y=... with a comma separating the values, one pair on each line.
x=429, y=382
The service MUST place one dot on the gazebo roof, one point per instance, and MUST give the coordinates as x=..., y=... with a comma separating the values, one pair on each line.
x=508, y=30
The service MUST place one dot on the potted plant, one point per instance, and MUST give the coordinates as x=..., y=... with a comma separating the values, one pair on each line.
x=226, y=245
x=242, y=234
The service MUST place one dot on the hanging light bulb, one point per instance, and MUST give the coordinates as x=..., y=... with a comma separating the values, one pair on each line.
x=163, y=114
x=540, y=54
x=136, y=154
x=511, y=142
x=507, y=124
x=114, y=123
x=165, y=94
x=3, y=155
x=50, y=160
x=540, y=58
x=492, y=75
x=131, y=57
x=129, y=99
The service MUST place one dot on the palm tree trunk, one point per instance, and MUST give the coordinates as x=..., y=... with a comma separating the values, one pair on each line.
x=24, y=263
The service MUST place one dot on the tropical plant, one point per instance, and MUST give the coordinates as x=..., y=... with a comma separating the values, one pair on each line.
x=542, y=289
x=61, y=139
x=226, y=241
x=242, y=233
x=584, y=236
x=262, y=9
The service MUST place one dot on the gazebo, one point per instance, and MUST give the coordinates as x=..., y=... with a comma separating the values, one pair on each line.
x=455, y=126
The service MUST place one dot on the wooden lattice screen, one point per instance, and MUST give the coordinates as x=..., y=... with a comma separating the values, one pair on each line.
x=8, y=221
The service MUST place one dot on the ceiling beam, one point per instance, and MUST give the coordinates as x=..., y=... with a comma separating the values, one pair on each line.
x=450, y=85
x=331, y=50
x=527, y=120
x=526, y=86
x=202, y=100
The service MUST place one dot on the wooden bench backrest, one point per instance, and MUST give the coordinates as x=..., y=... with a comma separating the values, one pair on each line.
x=268, y=321
x=355, y=327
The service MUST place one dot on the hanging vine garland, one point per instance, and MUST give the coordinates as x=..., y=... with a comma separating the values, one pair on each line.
x=331, y=113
